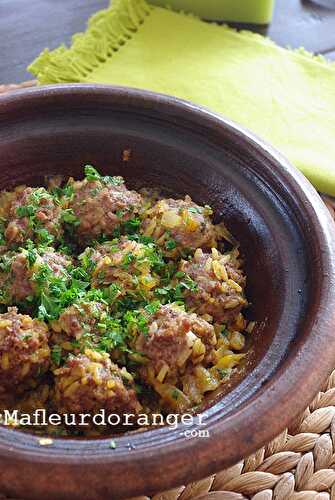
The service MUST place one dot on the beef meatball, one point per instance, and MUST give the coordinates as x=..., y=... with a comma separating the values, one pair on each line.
x=174, y=337
x=130, y=265
x=220, y=284
x=102, y=205
x=24, y=351
x=80, y=318
x=90, y=382
x=19, y=272
x=179, y=225
x=31, y=213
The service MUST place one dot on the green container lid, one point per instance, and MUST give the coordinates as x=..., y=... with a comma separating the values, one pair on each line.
x=240, y=11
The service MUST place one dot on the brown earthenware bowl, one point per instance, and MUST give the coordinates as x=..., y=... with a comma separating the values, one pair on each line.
x=287, y=239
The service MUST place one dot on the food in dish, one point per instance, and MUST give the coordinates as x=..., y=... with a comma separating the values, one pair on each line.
x=115, y=299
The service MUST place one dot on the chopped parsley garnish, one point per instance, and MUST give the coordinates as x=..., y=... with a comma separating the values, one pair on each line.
x=56, y=292
x=112, y=335
x=175, y=394
x=195, y=210
x=127, y=260
x=66, y=192
x=56, y=354
x=6, y=263
x=131, y=226
x=224, y=332
x=115, y=180
x=174, y=291
x=2, y=231
x=112, y=444
x=92, y=174
x=223, y=372
x=170, y=245
x=44, y=237
x=153, y=307
x=31, y=253
x=120, y=213
x=26, y=211
x=69, y=217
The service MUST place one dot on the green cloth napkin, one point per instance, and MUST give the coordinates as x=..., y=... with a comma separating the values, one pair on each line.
x=286, y=97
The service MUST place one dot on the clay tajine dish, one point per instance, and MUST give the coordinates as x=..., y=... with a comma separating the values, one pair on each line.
x=287, y=241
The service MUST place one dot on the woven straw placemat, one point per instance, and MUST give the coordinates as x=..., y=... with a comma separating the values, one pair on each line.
x=297, y=465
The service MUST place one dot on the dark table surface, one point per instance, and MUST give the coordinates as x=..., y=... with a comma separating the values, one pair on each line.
x=28, y=26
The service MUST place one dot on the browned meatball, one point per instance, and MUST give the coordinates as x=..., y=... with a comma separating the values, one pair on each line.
x=90, y=382
x=24, y=350
x=220, y=284
x=80, y=318
x=131, y=265
x=101, y=207
x=179, y=224
x=174, y=337
x=19, y=272
x=32, y=214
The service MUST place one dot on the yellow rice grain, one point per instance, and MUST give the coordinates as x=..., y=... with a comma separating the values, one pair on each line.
x=208, y=264
x=162, y=373
x=198, y=254
x=237, y=341
x=250, y=327
x=220, y=271
x=25, y=369
x=198, y=348
x=5, y=323
x=235, y=285
x=5, y=361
